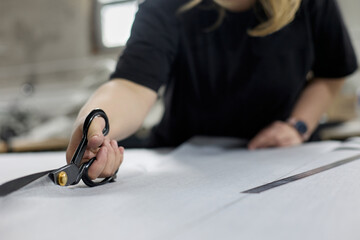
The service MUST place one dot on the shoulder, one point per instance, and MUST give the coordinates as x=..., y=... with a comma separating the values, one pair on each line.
x=169, y=5
x=161, y=10
x=319, y=6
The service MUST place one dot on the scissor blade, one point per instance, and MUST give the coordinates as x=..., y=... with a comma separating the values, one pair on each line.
x=18, y=183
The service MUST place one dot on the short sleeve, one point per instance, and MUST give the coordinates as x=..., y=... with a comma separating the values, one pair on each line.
x=152, y=46
x=334, y=53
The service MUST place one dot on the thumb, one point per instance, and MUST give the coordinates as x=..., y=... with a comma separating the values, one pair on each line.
x=95, y=135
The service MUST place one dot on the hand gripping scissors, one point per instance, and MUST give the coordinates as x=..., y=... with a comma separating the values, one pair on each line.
x=73, y=172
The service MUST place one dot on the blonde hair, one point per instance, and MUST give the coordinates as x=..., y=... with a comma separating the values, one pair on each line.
x=279, y=13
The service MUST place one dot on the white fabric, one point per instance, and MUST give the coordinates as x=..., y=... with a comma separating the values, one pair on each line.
x=192, y=192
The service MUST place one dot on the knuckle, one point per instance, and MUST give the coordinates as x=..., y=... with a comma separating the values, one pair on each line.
x=111, y=151
x=107, y=142
x=278, y=139
x=114, y=143
x=98, y=123
x=274, y=124
x=96, y=127
x=278, y=124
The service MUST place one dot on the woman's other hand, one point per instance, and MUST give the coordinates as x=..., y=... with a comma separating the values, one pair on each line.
x=278, y=134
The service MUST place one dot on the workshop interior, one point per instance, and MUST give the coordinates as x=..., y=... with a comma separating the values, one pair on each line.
x=54, y=54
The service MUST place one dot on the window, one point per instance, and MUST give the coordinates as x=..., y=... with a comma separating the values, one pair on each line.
x=113, y=22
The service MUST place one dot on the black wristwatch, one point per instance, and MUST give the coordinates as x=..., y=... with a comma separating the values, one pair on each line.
x=300, y=126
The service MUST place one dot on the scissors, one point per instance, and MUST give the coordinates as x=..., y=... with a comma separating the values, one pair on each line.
x=73, y=172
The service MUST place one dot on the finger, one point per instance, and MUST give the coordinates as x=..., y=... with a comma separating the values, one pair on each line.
x=273, y=136
x=99, y=164
x=109, y=167
x=261, y=140
x=95, y=135
x=122, y=151
x=285, y=135
x=265, y=142
x=290, y=140
x=278, y=136
x=288, y=136
x=73, y=143
x=95, y=138
x=119, y=153
x=90, y=153
x=254, y=142
x=117, y=162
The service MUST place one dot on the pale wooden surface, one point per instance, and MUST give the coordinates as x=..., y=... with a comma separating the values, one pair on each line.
x=21, y=145
x=342, y=131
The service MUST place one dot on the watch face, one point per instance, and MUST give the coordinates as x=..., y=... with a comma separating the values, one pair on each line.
x=301, y=127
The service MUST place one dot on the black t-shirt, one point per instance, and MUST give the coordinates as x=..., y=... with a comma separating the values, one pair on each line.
x=224, y=82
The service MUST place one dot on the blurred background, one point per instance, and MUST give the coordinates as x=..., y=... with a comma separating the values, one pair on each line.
x=55, y=53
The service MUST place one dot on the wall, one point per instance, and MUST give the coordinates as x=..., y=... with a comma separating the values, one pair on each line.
x=46, y=53
x=42, y=37
x=47, y=64
x=350, y=10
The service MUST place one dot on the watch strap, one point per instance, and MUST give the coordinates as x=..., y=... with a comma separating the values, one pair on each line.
x=300, y=126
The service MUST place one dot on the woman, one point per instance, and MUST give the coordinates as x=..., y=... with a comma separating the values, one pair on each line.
x=260, y=70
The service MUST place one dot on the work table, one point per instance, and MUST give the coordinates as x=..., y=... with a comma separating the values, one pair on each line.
x=191, y=192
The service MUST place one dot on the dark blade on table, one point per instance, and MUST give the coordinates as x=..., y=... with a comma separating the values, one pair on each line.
x=302, y=175
x=18, y=183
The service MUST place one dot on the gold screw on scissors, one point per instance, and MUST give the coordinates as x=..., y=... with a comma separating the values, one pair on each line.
x=62, y=178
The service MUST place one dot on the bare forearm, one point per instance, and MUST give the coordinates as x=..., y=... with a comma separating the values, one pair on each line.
x=125, y=103
x=315, y=100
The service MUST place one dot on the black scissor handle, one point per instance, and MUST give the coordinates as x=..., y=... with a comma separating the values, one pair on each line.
x=84, y=168
x=93, y=114
x=80, y=150
x=71, y=173
x=85, y=177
